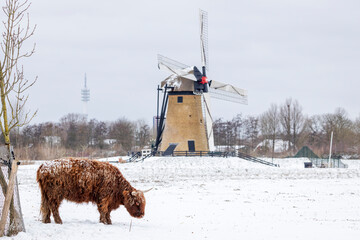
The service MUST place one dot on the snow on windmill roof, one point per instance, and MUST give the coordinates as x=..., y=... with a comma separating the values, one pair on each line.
x=181, y=79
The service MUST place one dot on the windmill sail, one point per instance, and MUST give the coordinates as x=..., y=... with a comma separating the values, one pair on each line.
x=182, y=78
x=208, y=121
x=170, y=63
x=228, y=92
x=204, y=39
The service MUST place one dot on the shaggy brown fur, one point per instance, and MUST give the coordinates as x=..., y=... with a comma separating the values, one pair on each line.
x=83, y=180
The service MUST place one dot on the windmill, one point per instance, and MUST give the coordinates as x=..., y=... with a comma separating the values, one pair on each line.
x=186, y=101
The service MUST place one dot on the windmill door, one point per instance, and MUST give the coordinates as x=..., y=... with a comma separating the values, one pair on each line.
x=191, y=145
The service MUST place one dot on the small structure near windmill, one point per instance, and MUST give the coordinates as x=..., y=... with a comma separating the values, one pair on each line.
x=186, y=102
x=306, y=152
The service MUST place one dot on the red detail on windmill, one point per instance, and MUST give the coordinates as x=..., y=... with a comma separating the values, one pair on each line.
x=204, y=80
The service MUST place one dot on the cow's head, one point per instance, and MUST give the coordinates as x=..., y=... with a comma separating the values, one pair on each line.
x=134, y=202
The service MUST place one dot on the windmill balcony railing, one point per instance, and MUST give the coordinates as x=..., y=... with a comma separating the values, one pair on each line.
x=197, y=154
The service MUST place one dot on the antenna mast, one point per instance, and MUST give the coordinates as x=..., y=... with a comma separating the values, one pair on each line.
x=85, y=97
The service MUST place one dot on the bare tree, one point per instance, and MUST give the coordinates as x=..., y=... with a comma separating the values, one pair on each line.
x=292, y=122
x=357, y=134
x=123, y=131
x=218, y=132
x=13, y=86
x=269, y=125
x=237, y=125
x=285, y=120
x=252, y=130
x=226, y=133
x=142, y=133
x=298, y=121
x=98, y=131
x=74, y=131
x=314, y=131
x=341, y=125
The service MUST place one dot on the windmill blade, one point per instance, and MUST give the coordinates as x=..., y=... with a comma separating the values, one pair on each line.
x=178, y=72
x=227, y=92
x=164, y=63
x=204, y=39
x=177, y=69
x=208, y=121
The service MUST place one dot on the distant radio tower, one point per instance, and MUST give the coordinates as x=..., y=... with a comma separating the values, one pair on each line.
x=85, y=97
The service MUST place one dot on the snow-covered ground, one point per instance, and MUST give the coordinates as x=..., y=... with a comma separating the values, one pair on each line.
x=214, y=198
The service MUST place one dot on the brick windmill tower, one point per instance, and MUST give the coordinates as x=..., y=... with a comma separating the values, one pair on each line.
x=185, y=122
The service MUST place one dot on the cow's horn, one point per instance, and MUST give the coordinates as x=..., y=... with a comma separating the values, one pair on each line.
x=145, y=191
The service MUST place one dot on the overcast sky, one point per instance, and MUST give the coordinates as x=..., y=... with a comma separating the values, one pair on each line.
x=306, y=50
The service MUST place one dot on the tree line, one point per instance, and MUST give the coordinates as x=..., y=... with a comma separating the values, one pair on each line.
x=260, y=135
x=286, y=123
x=74, y=135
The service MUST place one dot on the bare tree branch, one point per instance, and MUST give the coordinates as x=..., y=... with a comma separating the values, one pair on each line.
x=13, y=85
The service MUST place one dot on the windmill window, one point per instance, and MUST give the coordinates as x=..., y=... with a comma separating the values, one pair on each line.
x=179, y=99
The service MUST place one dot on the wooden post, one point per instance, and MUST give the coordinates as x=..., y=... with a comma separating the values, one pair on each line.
x=8, y=197
x=331, y=140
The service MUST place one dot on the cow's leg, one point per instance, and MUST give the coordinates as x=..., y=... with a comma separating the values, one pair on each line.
x=102, y=214
x=45, y=209
x=107, y=217
x=55, y=210
x=104, y=211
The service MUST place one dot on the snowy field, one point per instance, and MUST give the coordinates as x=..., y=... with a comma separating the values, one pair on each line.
x=213, y=198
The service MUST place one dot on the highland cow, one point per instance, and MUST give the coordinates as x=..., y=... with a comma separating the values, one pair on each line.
x=83, y=180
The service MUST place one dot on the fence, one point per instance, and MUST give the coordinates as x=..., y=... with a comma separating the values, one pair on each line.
x=197, y=154
x=323, y=163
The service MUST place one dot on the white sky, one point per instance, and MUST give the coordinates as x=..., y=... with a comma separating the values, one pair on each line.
x=307, y=50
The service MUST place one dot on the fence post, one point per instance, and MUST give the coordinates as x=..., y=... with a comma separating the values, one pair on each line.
x=8, y=197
